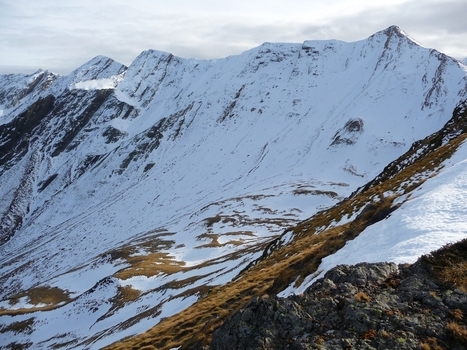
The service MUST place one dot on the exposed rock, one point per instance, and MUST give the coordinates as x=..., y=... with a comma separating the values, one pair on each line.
x=349, y=134
x=367, y=306
x=16, y=134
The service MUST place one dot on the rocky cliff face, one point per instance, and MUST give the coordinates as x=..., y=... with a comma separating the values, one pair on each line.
x=366, y=306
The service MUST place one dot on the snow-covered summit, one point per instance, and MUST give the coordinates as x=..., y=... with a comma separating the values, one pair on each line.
x=98, y=73
x=20, y=90
x=100, y=67
x=132, y=179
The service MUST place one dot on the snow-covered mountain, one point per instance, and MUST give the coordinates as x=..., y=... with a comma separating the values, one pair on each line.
x=129, y=193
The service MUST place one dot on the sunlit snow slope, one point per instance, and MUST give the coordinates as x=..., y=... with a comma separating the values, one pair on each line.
x=434, y=215
x=126, y=193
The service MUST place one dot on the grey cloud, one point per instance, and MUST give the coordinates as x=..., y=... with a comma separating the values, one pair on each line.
x=433, y=23
x=59, y=37
x=435, y=15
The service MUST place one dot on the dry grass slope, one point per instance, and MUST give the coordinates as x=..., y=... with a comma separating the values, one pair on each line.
x=450, y=266
x=43, y=298
x=292, y=262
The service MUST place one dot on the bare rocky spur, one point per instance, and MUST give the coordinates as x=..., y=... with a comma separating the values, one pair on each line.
x=366, y=306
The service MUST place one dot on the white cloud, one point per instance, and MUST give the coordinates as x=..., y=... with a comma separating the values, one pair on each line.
x=60, y=36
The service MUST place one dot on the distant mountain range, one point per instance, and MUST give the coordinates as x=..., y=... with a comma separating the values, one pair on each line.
x=154, y=199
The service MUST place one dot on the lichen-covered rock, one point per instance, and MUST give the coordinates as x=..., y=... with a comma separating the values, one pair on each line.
x=367, y=306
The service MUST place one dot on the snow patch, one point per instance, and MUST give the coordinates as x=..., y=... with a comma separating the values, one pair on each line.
x=97, y=84
x=120, y=124
x=123, y=97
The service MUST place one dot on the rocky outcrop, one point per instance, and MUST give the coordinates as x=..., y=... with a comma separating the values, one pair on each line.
x=367, y=306
x=455, y=127
x=349, y=134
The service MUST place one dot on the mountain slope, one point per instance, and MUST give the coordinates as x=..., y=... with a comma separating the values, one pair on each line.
x=296, y=258
x=128, y=193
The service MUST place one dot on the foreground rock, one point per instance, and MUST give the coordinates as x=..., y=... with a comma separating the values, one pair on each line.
x=367, y=306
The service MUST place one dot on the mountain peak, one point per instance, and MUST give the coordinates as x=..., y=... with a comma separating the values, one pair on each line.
x=150, y=55
x=392, y=31
x=131, y=194
x=395, y=32
x=99, y=67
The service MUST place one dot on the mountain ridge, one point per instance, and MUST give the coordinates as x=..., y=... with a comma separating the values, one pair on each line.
x=304, y=255
x=277, y=131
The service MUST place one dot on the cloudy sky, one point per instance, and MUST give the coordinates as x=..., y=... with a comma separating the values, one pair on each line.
x=60, y=35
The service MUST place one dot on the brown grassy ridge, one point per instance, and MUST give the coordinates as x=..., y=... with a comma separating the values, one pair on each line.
x=144, y=258
x=197, y=323
x=19, y=326
x=214, y=239
x=47, y=297
x=449, y=264
x=291, y=262
x=158, y=263
x=150, y=265
x=237, y=220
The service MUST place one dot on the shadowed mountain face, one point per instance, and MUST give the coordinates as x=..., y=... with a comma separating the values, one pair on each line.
x=129, y=194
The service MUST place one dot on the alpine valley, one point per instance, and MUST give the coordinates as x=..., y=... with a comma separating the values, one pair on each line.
x=143, y=205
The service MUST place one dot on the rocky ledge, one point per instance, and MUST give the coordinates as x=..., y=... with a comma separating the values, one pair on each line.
x=366, y=306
